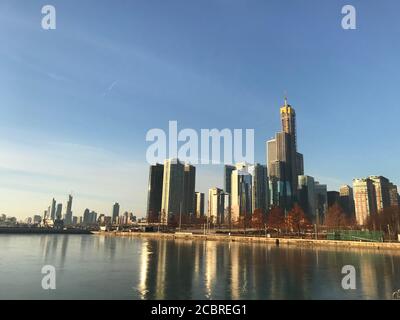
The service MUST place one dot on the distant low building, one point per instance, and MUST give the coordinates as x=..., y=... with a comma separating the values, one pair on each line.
x=37, y=219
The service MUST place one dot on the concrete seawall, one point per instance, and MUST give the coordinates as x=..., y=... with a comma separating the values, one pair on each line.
x=282, y=241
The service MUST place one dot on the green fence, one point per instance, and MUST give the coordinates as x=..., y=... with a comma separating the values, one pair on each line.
x=355, y=235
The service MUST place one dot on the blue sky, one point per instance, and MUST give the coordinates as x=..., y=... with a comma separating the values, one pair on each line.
x=76, y=102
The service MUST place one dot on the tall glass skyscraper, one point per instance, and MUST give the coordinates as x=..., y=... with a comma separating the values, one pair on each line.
x=68, y=213
x=285, y=164
x=259, y=187
x=115, y=213
x=241, y=197
x=307, y=197
x=154, y=192
x=53, y=209
x=199, y=204
x=228, y=169
x=189, y=186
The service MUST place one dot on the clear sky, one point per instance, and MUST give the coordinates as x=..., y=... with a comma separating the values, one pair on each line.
x=76, y=102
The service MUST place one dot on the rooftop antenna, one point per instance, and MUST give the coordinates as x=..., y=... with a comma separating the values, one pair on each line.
x=285, y=94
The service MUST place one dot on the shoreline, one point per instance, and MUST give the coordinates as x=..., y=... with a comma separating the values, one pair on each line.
x=310, y=243
x=41, y=231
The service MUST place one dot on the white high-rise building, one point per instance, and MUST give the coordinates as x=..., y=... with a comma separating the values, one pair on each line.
x=216, y=205
x=172, y=194
x=364, y=199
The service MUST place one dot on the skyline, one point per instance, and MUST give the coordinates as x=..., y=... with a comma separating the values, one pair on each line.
x=78, y=101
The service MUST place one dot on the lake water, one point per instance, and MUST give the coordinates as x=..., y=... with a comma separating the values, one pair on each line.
x=98, y=267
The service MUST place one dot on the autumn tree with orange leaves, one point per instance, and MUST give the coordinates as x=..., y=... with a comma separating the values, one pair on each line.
x=335, y=217
x=258, y=219
x=297, y=220
x=276, y=219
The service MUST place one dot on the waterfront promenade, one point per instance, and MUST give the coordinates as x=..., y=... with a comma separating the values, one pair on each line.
x=253, y=239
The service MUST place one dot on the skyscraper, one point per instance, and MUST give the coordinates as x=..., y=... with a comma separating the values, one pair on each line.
x=115, y=212
x=154, y=192
x=321, y=202
x=333, y=198
x=89, y=217
x=53, y=209
x=172, y=195
x=280, y=170
x=307, y=197
x=259, y=187
x=59, y=211
x=372, y=195
x=68, y=213
x=288, y=120
x=241, y=197
x=199, y=204
x=216, y=205
x=285, y=164
x=86, y=216
x=347, y=200
x=364, y=199
x=228, y=169
x=227, y=208
x=381, y=186
x=93, y=217
x=189, y=193
x=393, y=195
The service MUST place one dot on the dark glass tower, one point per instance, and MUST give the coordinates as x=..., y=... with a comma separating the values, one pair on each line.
x=189, y=193
x=53, y=210
x=68, y=213
x=115, y=213
x=154, y=195
x=228, y=178
x=285, y=164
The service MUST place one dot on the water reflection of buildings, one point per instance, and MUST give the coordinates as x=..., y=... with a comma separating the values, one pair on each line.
x=376, y=273
x=53, y=251
x=183, y=269
x=210, y=253
x=166, y=269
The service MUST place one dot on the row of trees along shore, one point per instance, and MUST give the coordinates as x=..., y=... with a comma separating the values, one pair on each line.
x=296, y=221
